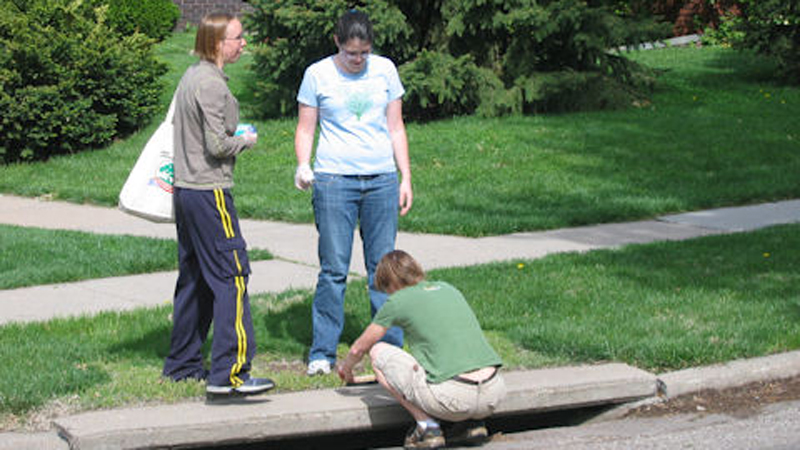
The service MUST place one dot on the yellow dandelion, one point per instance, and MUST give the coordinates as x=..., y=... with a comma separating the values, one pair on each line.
x=520, y=266
x=766, y=254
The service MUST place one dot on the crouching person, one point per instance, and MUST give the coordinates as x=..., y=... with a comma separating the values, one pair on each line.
x=450, y=373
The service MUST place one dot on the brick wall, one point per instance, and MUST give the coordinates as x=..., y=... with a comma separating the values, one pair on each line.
x=194, y=10
x=692, y=16
x=695, y=15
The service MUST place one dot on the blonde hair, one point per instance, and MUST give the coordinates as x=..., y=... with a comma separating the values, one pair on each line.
x=397, y=270
x=211, y=32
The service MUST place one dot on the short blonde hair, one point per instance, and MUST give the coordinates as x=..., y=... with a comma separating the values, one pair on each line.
x=211, y=32
x=397, y=270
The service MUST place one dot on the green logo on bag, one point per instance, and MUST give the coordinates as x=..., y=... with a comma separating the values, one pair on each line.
x=164, y=177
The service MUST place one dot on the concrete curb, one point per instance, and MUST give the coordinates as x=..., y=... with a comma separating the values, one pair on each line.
x=716, y=377
x=541, y=394
x=731, y=374
x=333, y=411
x=38, y=441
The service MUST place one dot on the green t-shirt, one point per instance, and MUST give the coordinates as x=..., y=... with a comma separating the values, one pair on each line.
x=441, y=330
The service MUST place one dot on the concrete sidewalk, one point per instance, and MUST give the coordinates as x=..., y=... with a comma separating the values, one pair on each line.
x=294, y=246
x=349, y=409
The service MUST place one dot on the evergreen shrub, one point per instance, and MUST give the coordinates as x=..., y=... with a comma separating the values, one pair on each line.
x=459, y=57
x=288, y=36
x=68, y=82
x=441, y=85
x=772, y=27
x=154, y=18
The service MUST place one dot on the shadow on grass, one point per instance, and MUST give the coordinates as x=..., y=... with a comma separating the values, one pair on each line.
x=746, y=66
x=152, y=345
x=283, y=323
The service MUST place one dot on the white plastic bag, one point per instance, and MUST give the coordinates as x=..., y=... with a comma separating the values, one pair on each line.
x=147, y=192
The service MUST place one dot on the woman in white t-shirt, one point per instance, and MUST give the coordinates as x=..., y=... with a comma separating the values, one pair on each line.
x=355, y=96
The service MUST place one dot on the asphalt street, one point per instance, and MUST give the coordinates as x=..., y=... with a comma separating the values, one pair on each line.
x=776, y=426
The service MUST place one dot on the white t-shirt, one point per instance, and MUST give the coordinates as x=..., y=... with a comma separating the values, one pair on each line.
x=354, y=138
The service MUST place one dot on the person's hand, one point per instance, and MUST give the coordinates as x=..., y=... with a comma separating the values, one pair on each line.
x=248, y=132
x=303, y=177
x=250, y=138
x=346, y=374
x=406, y=197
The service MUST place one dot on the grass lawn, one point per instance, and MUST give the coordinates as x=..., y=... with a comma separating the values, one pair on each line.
x=33, y=256
x=659, y=307
x=717, y=133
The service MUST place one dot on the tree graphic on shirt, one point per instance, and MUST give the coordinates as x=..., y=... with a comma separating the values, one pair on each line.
x=358, y=103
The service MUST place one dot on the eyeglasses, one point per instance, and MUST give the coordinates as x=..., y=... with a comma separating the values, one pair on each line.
x=354, y=55
x=237, y=38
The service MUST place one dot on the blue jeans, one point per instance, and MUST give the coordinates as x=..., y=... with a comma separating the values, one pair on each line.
x=340, y=202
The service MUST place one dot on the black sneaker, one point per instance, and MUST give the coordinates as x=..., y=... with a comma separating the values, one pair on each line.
x=468, y=432
x=252, y=386
x=431, y=437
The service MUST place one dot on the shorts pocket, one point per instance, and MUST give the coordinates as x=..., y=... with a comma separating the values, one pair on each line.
x=233, y=256
x=454, y=400
x=455, y=405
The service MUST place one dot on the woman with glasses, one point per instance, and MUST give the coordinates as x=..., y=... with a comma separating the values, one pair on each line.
x=213, y=264
x=355, y=96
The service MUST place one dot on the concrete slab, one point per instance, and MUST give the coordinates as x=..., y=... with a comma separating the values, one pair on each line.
x=741, y=218
x=534, y=245
x=298, y=242
x=57, y=215
x=731, y=374
x=31, y=441
x=718, y=376
x=436, y=251
x=39, y=303
x=574, y=387
x=328, y=411
x=680, y=41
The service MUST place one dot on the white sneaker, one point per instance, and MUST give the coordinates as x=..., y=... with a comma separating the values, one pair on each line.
x=318, y=367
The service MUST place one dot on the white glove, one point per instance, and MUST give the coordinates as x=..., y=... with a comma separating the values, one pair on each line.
x=303, y=177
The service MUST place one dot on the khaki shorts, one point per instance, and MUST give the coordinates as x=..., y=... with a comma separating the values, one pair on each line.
x=449, y=400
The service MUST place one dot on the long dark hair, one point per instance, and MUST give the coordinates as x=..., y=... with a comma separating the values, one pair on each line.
x=354, y=24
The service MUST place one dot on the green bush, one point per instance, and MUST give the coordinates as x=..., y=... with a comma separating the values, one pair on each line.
x=440, y=85
x=772, y=27
x=67, y=81
x=645, y=20
x=459, y=57
x=726, y=34
x=154, y=18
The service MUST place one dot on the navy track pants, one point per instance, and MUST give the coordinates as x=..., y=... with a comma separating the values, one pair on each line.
x=211, y=287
